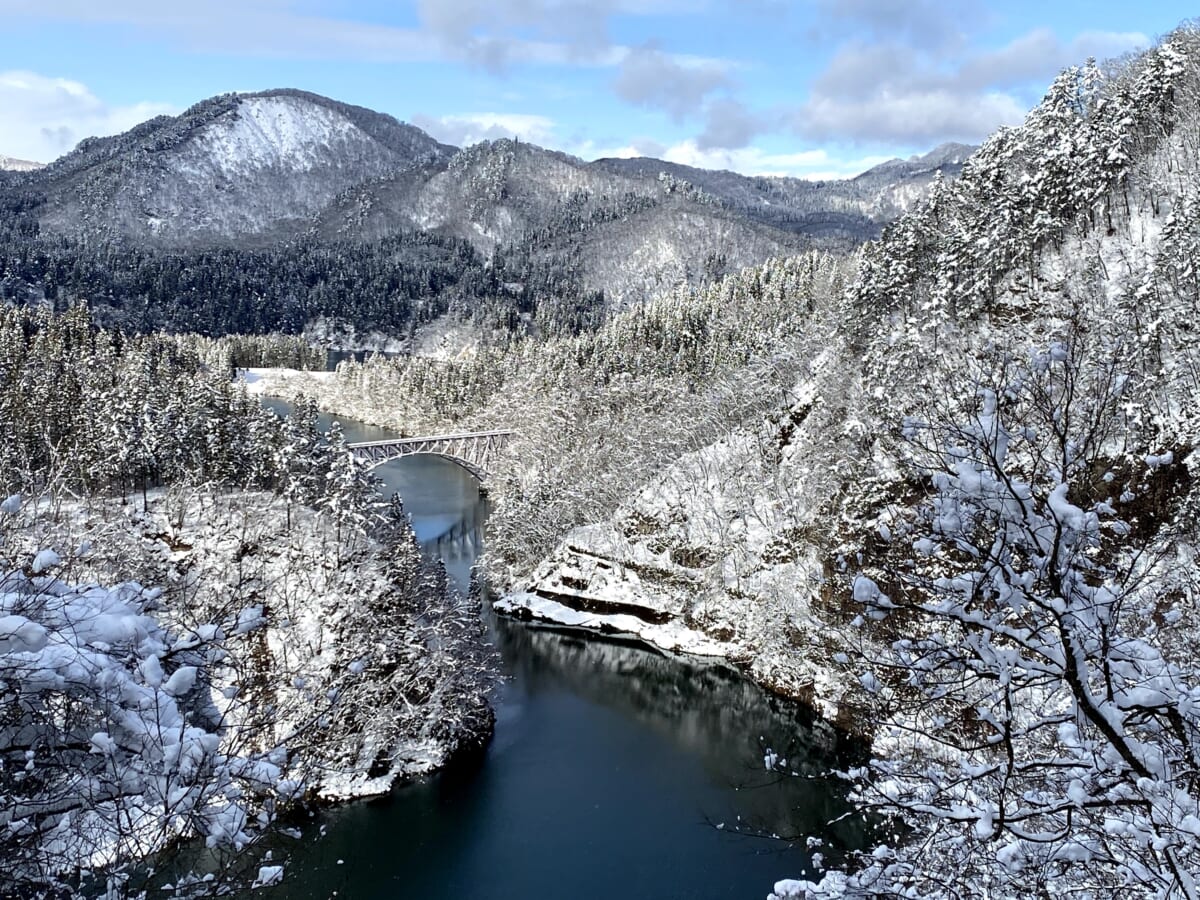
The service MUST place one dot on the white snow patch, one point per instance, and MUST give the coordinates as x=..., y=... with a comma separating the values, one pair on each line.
x=671, y=636
x=281, y=382
x=19, y=635
x=45, y=559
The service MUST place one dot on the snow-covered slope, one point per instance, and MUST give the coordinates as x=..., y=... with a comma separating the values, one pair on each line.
x=316, y=621
x=280, y=163
x=236, y=166
x=629, y=237
x=704, y=559
x=853, y=209
x=271, y=131
x=9, y=164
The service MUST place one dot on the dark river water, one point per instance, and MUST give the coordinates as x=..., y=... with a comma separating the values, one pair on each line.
x=615, y=771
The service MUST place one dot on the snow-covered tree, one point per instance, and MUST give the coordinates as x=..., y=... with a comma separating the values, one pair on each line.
x=349, y=492
x=1041, y=700
x=133, y=721
x=113, y=746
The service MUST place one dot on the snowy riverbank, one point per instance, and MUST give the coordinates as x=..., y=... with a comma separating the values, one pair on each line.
x=708, y=557
x=585, y=585
x=280, y=382
x=655, y=571
x=338, y=667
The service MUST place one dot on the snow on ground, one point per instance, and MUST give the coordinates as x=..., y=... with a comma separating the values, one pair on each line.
x=265, y=382
x=270, y=132
x=670, y=636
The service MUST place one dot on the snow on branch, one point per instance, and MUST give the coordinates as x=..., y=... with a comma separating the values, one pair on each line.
x=1043, y=730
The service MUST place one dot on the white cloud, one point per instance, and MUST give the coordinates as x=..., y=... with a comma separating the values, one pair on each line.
x=45, y=117
x=493, y=34
x=471, y=128
x=929, y=24
x=649, y=77
x=1039, y=55
x=815, y=165
x=890, y=92
x=729, y=124
x=498, y=32
x=590, y=150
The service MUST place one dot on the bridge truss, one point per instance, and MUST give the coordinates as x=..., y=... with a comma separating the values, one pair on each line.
x=475, y=451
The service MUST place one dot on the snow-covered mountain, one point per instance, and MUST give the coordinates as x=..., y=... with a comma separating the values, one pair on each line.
x=949, y=158
x=894, y=187
x=626, y=236
x=274, y=164
x=235, y=167
x=852, y=209
x=260, y=167
x=8, y=164
x=249, y=172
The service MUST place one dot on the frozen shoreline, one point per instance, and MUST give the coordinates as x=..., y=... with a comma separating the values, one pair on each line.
x=594, y=582
x=270, y=382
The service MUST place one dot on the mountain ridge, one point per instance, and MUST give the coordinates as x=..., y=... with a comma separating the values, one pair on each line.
x=271, y=164
x=284, y=167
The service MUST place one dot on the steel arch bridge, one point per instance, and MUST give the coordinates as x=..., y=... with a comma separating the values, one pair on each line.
x=475, y=451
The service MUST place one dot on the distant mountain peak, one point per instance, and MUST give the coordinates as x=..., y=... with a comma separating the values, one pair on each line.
x=949, y=157
x=235, y=166
x=10, y=164
x=950, y=153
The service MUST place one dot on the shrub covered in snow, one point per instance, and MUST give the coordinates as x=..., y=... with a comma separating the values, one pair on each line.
x=111, y=744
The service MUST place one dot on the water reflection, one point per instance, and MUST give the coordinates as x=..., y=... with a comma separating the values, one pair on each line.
x=712, y=713
x=615, y=772
x=463, y=538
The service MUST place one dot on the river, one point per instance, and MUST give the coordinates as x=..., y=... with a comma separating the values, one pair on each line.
x=615, y=771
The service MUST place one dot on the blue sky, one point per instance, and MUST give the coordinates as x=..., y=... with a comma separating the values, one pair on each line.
x=815, y=88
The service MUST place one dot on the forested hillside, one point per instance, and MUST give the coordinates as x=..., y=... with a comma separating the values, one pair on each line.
x=850, y=209
x=982, y=507
x=390, y=287
x=207, y=618
x=942, y=488
x=957, y=511
x=600, y=412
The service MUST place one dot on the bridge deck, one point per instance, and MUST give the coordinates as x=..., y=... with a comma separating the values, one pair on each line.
x=431, y=438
